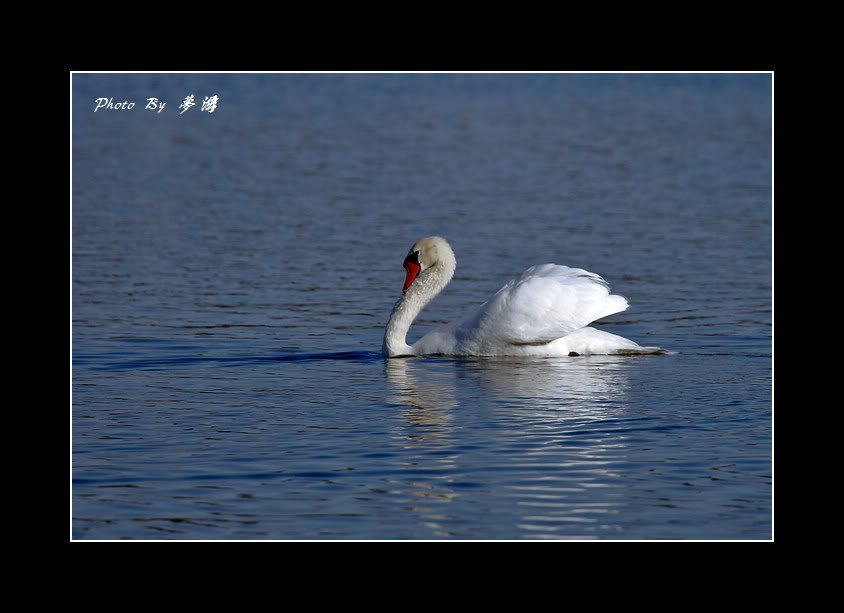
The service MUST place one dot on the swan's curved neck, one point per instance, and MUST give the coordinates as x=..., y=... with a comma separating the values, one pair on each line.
x=428, y=284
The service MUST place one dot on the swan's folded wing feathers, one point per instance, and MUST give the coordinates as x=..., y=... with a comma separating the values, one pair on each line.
x=544, y=303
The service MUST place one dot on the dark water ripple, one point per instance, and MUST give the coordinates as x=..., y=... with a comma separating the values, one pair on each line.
x=232, y=275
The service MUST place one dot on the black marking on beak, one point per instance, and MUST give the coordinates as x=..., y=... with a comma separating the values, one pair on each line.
x=413, y=257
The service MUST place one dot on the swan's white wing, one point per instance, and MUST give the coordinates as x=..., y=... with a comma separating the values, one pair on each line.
x=546, y=302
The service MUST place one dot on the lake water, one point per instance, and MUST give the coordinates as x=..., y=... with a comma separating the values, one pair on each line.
x=232, y=273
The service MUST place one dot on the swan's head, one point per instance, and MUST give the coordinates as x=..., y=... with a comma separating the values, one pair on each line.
x=427, y=253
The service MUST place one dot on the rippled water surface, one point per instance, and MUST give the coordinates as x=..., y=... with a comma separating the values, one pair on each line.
x=233, y=271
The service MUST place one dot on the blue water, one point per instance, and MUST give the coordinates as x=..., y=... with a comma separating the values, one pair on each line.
x=232, y=273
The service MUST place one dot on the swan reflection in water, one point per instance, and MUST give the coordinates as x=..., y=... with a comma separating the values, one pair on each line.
x=583, y=388
x=429, y=403
x=428, y=396
x=528, y=432
x=593, y=387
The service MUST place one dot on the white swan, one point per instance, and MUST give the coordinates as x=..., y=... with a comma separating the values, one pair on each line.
x=543, y=312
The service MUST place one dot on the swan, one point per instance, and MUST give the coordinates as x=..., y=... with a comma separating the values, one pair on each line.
x=543, y=312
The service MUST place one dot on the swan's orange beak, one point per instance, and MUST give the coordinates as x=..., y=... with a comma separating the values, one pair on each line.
x=412, y=270
x=411, y=265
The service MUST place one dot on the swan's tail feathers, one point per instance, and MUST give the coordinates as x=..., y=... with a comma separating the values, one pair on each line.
x=643, y=351
x=615, y=304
